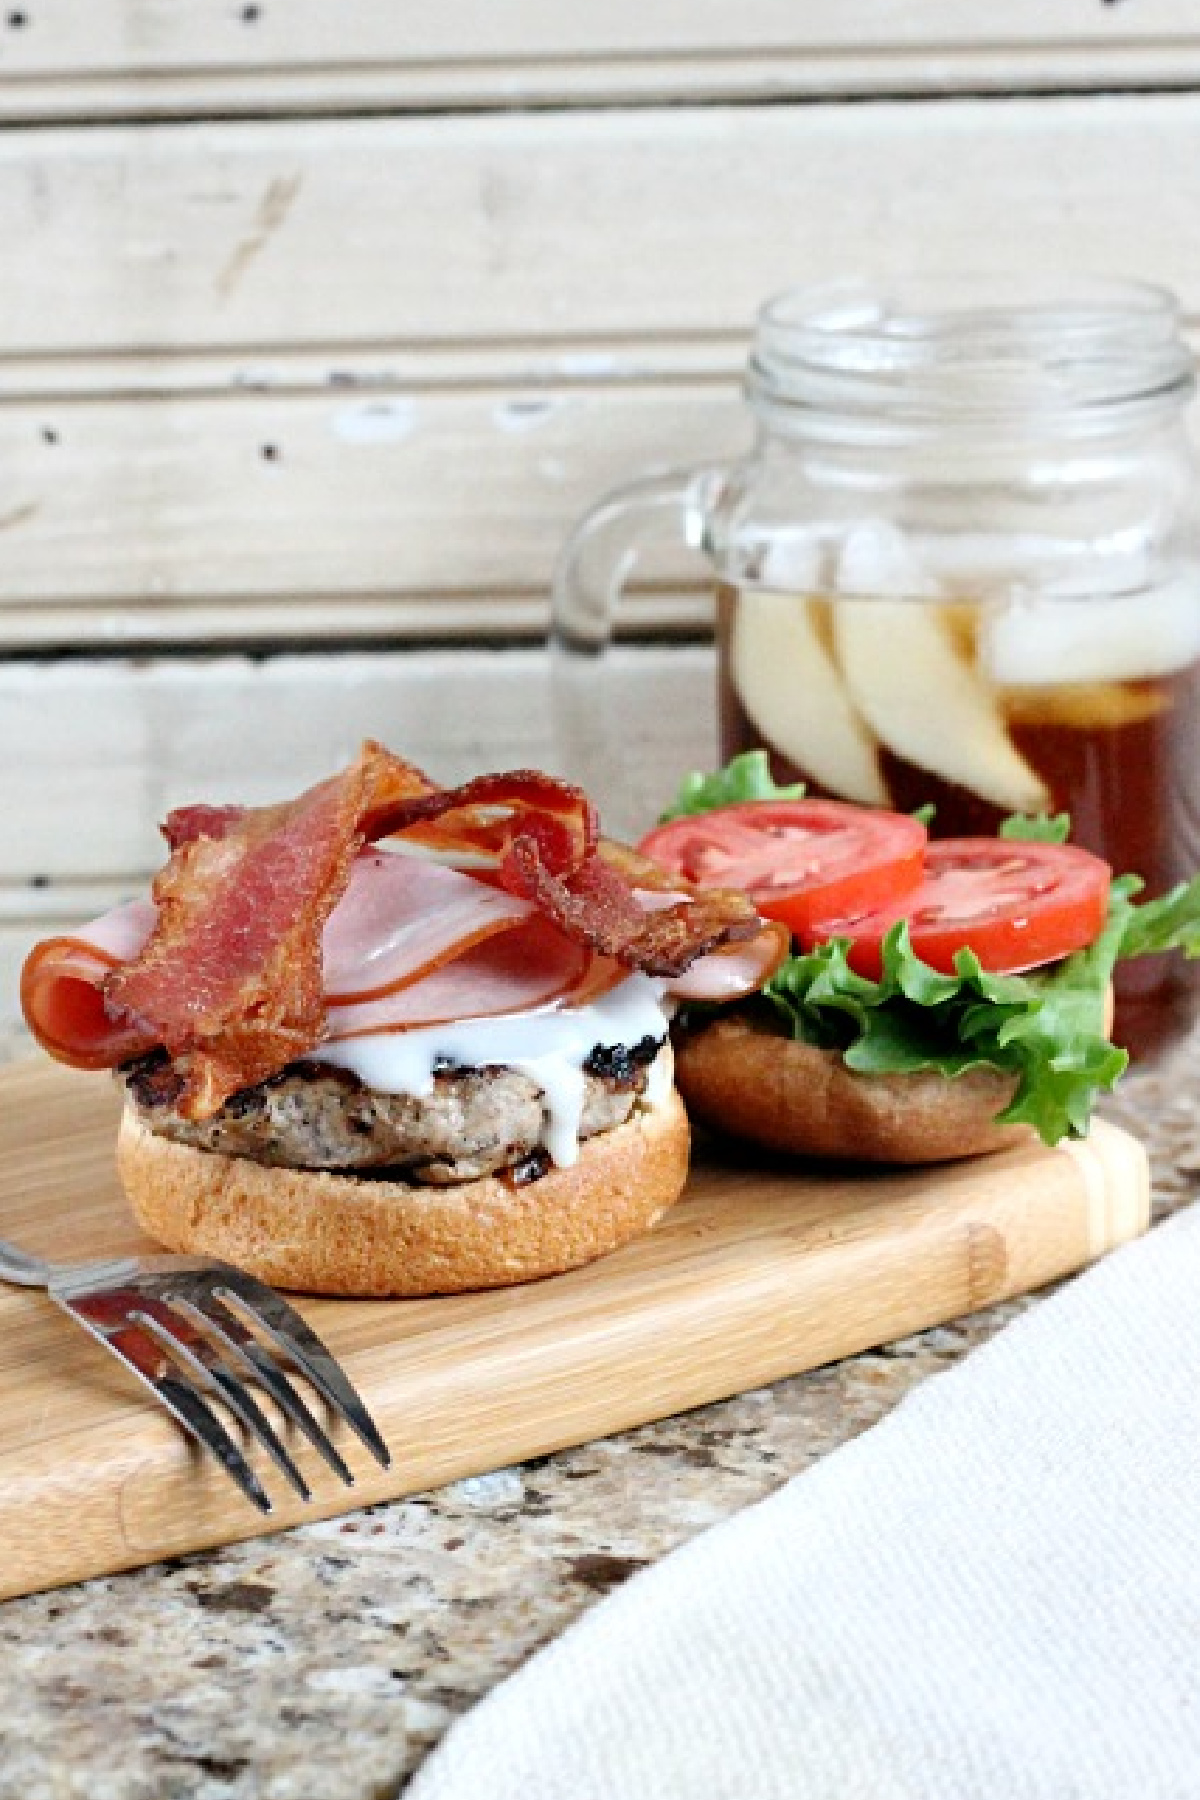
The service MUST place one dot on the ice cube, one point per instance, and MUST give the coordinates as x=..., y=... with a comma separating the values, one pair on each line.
x=793, y=561
x=877, y=560
x=1044, y=641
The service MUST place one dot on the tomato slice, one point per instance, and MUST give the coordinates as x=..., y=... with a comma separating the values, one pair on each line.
x=799, y=860
x=1014, y=904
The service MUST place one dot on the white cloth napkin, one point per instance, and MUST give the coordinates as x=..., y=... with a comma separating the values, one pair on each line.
x=992, y=1595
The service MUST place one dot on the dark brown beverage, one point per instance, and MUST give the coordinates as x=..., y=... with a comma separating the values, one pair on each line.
x=1120, y=755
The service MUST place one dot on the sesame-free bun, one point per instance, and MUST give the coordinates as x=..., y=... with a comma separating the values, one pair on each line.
x=322, y=1233
x=739, y=1077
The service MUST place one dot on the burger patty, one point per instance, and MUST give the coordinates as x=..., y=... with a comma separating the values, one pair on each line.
x=314, y=1116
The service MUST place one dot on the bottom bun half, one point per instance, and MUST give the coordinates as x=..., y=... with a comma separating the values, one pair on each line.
x=741, y=1078
x=322, y=1233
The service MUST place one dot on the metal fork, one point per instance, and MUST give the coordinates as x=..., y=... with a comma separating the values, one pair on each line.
x=182, y=1324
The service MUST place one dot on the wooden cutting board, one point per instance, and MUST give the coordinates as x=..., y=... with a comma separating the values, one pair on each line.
x=762, y=1270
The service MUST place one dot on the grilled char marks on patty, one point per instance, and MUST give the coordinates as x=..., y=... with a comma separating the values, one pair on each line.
x=476, y=1122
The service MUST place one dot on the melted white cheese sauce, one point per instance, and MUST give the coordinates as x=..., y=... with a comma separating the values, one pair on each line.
x=550, y=1046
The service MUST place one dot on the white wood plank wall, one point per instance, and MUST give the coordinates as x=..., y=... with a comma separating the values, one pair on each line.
x=320, y=324
x=157, y=58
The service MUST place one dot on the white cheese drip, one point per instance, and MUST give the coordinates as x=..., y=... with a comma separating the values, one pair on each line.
x=549, y=1045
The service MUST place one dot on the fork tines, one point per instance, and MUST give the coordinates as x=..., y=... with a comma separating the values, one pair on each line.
x=197, y=1332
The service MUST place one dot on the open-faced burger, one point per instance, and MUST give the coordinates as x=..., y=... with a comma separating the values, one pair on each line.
x=942, y=997
x=393, y=1038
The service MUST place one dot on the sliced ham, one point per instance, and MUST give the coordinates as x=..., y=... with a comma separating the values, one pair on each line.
x=407, y=945
x=118, y=935
x=734, y=970
x=63, y=1003
x=61, y=989
x=401, y=918
x=526, y=966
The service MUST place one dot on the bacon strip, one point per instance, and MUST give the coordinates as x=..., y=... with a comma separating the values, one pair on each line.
x=479, y=823
x=187, y=823
x=230, y=979
x=598, y=904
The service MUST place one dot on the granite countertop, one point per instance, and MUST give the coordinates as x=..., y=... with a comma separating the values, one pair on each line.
x=323, y=1664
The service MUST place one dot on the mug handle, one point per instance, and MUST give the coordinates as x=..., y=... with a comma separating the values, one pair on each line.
x=596, y=560
x=596, y=720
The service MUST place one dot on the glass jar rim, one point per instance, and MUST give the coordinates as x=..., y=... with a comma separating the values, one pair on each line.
x=969, y=345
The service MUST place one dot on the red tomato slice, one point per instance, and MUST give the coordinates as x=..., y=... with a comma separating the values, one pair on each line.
x=1014, y=904
x=799, y=860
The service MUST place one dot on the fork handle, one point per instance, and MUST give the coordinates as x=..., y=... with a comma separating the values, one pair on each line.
x=27, y=1271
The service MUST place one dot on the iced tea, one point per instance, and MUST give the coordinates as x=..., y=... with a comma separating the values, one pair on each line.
x=1091, y=708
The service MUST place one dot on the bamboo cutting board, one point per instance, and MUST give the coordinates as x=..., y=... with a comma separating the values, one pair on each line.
x=759, y=1272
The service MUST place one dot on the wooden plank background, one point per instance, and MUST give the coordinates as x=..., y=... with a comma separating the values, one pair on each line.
x=157, y=58
x=253, y=362
x=320, y=326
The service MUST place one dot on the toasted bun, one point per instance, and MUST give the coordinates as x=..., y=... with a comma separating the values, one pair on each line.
x=323, y=1233
x=740, y=1077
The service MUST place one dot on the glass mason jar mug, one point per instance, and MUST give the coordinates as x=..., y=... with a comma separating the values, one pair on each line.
x=961, y=565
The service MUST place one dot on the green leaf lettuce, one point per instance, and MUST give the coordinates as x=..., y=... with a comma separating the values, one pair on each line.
x=1047, y=1027
x=746, y=777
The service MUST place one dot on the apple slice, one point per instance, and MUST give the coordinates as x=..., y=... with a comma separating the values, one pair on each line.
x=788, y=683
x=927, y=702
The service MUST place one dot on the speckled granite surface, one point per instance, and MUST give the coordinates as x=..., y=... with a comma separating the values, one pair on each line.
x=323, y=1664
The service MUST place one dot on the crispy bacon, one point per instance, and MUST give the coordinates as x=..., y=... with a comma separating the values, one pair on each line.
x=230, y=979
x=187, y=823
x=483, y=819
x=598, y=904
